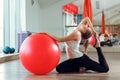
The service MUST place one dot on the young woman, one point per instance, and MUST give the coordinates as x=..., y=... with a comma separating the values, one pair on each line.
x=77, y=60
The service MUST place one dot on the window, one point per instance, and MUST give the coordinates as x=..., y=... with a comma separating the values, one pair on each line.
x=14, y=18
x=1, y=24
x=70, y=19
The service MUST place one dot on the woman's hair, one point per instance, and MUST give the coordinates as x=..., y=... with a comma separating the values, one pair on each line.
x=87, y=34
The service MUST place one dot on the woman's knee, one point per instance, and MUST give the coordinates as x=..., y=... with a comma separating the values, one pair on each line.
x=106, y=69
x=58, y=69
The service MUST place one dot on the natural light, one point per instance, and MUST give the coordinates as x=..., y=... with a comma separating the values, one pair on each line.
x=1, y=23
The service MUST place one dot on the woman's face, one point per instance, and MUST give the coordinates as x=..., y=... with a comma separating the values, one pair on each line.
x=86, y=31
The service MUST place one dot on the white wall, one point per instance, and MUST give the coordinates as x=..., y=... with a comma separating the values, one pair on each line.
x=45, y=19
x=33, y=13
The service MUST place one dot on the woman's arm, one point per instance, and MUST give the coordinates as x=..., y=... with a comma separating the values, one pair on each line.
x=90, y=25
x=84, y=21
x=88, y=22
x=72, y=36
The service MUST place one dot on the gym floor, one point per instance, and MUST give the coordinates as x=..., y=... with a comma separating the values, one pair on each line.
x=13, y=70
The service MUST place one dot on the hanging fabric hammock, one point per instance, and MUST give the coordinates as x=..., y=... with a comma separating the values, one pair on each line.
x=71, y=9
x=103, y=29
x=87, y=11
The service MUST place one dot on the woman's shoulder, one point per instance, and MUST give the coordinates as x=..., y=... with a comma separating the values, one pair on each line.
x=77, y=34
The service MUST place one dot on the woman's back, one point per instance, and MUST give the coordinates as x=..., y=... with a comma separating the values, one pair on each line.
x=72, y=49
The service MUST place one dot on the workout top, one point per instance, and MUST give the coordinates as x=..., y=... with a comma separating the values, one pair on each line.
x=72, y=49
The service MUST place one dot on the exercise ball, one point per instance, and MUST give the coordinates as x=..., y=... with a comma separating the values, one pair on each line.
x=6, y=49
x=39, y=53
x=92, y=40
x=12, y=50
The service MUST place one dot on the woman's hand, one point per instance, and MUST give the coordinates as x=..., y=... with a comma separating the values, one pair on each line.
x=43, y=33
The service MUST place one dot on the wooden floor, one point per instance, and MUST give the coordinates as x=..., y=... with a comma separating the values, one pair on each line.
x=13, y=70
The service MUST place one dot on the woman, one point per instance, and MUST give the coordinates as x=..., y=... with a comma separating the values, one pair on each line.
x=78, y=61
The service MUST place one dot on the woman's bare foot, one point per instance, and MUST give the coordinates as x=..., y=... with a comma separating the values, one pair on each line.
x=82, y=70
x=97, y=44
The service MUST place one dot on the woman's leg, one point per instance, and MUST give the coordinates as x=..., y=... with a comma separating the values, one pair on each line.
x=75, y=65
x=101, y=58
x=68, y=66
x=102, y=66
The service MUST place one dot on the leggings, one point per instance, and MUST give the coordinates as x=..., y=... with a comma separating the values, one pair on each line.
x=74, y=65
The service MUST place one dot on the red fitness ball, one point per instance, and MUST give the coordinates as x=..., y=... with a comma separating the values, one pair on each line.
x=92, y=40
x=39, y=53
